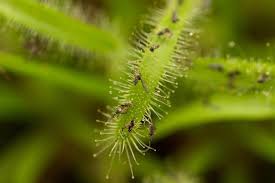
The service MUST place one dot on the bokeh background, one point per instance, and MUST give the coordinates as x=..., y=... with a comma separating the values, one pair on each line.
x=47, y=128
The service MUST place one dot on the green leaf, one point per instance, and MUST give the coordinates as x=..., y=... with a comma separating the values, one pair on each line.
x=10, y=103
x=221, y=109
x=254, y=77
x=55, y=25
x=252, y=88
x=258, y=140
x=75, y=81
x=24, y=161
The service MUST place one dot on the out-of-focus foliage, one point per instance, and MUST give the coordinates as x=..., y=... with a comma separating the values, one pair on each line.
x=55, y=62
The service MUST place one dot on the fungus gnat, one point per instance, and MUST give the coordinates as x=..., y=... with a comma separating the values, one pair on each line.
x=137, y=77
x=263, y=78
x=123, y=108
x=165, y=32
x=35, y=45
x=154, y=47
x=152, y=130
x=232, y=77
x=216, y=67
x=175, y=17
x=129, y=126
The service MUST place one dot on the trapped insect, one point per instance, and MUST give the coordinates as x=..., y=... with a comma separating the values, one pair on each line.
x=232, y=77
x=165, y=32
x=175, y=17
x=263, y=78
x=137, y=77
x=123, y=108
x=154, y=47
x=152, y=130
x=216, y=67
x=130, y=126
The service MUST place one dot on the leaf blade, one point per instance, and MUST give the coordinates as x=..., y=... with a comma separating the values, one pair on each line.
x=55, y=25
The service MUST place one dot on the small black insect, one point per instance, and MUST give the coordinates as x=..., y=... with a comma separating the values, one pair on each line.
x=175, y=17
x=152, y=130
x=137, y=77
x=144, y=120
x=154, y=47
x=131, y=125
x=234, y=73
x=263, y=78
x=35, y=45
x=164, y=32
x=216, y=67
x=123, y=108
x=232, y=77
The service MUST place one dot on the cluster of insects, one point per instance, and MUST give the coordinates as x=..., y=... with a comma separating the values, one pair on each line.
x=232, y=75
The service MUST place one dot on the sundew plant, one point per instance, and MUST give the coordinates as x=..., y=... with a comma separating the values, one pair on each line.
x=137, y=91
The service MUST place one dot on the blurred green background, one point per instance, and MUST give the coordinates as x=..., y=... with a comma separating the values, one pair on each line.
x=49, y=96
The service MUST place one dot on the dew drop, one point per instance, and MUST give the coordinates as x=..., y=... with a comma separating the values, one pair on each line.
x=107, y=177
x=267, y=44
x=231, y=44
x=94, y=155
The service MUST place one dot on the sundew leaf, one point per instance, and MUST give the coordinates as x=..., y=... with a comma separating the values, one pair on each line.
x=40, y=18
x=72, y=80
x=221, y=109
x=247, y=96
x=237, y=76
x=158, y=58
